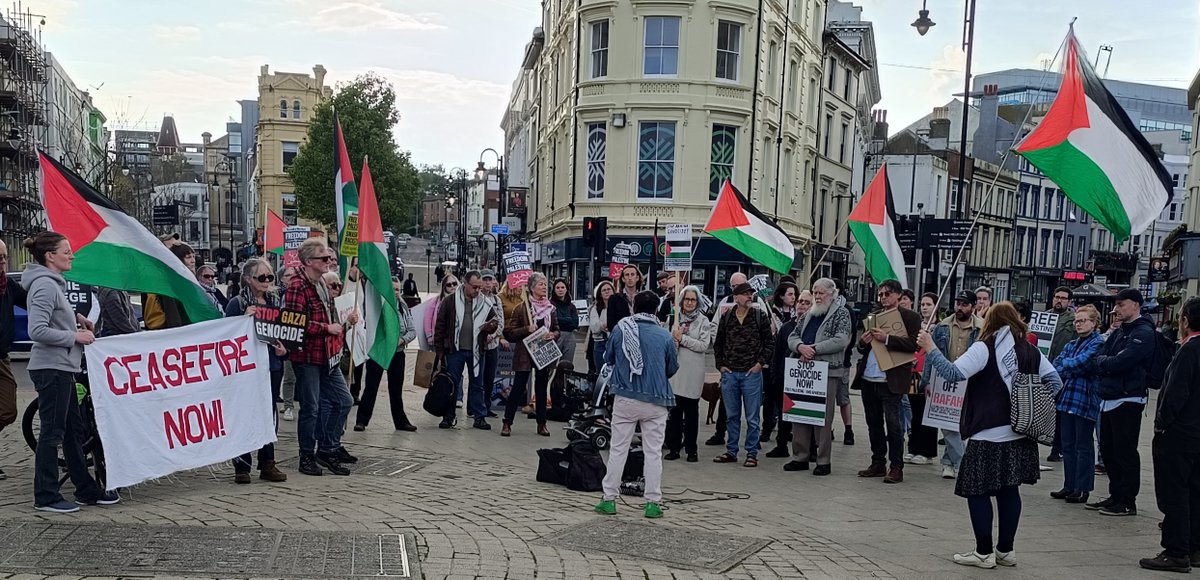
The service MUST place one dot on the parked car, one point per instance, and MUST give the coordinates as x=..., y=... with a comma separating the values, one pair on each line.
x=80, y=295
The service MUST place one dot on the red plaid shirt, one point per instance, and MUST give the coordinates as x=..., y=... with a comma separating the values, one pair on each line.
x=319, y=345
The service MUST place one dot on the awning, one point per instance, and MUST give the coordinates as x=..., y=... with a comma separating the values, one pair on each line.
x=1092, y=291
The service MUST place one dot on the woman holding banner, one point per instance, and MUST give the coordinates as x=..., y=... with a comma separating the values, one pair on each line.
x=258, y=289
x=693, y=337
x=997, y=460
x=537, y=312
x=53, y=361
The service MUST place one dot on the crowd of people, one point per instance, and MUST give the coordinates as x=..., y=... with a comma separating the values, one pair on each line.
x=656, y=344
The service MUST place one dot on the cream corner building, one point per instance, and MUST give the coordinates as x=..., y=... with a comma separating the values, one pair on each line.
x=637, y=110
x=285, y=105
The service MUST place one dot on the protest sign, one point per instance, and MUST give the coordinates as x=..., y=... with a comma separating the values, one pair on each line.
x=349, y=247
x=620, y=257
x=293, y=236
x=943, y=407
x=277, y=324
x=542, y=350
x=581, y=310
x=762, y=285
x=356, y=336
x=893, y=324
x=1042, y=324
x=517, y=268
x=805, y=391
x=182, y=398
x=678, y=257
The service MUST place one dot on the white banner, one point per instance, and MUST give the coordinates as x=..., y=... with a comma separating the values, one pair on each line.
x=182, y=398
x=1043, y=324
x=678, y=257
x=805, y=391
x=943, y=406
x=542, y=350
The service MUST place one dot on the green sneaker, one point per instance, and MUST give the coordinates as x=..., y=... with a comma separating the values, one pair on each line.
x=653, y=510
x=607, y=507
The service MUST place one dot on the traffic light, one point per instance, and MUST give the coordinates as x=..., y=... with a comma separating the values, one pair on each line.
x=595, y=235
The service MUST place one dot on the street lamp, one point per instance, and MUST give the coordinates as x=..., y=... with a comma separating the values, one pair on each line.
x=922, y=24
x=226, y=204
x=481, y=173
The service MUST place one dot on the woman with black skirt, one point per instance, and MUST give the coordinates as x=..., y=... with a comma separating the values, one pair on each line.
x=997, y=459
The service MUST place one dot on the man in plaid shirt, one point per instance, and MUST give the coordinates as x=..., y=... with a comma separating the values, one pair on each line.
x=325, y=399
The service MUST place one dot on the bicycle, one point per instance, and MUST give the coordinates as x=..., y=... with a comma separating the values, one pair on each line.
x=93, y=450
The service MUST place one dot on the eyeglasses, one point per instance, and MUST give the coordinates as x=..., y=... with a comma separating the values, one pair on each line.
x=806, y=301
x=1062, y=298
x=208, y=276
x=325, y=259
x=689, y=299
x=884, y=294
x=264, y=278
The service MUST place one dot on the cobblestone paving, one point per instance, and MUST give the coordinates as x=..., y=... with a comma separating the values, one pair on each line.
x=679, y=547
x=469, y=503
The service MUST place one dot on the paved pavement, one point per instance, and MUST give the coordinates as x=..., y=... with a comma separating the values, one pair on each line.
x=463, y=503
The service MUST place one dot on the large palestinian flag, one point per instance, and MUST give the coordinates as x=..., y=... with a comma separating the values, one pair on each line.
x=873, y=223
x=380, y=314
x=1088, y=146
x=742, y=227
x=112, y=249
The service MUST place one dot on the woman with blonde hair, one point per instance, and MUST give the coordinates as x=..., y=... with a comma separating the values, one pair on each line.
x=997, y=459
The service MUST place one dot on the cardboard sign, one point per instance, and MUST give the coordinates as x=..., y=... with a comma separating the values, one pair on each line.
x=1042, y=324
x=805, y=391
x=893, y=324
x=517, y=267
x=943, y=406
x=181, y=398
x=542, y=350
x=273, y=325
x=620, y=257
x=293, y=236
x=678, y=255
x=349, y=247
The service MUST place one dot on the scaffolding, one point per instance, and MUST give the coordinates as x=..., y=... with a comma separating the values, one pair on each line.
x=23, y=114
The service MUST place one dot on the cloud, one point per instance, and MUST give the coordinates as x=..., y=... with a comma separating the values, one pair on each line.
x=352, y=16
x=941, y=81
x=179, y=32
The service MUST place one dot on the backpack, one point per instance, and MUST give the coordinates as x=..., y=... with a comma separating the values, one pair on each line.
x=586, y=468
x=439, y=399
x=1164, y=351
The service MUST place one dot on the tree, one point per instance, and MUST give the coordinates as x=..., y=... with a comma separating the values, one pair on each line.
x=366, y=108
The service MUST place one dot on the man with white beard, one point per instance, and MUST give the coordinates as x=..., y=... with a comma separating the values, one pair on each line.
x=822, y=336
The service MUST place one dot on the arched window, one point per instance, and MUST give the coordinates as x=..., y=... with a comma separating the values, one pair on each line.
x=283, y=108
x=295, y=109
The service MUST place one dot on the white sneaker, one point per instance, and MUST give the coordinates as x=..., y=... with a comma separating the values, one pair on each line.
x=948, y=472
x=919, y=460
x=289, y=414
x=1006, y=558
x=459, y=404
x=908, y=457
x=976, y=559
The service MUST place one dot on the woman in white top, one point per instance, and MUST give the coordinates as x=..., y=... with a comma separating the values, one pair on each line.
x=997, y=460
x=598, y=321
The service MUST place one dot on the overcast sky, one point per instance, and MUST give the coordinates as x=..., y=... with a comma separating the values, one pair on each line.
x=453, y=61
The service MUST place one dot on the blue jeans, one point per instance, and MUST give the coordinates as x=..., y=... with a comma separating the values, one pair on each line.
x=491, y=359
x=598, y=348
x=742, y=391
x=325, y=403
x=61, y=423
x=952, y=456
x=1078, y=452
x=906, y=414
x=455, y=362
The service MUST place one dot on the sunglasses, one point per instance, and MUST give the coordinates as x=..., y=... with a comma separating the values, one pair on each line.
x=451, y=284
x=335, y=285
x=325, y=258
x=208, y=276
x=264, y=278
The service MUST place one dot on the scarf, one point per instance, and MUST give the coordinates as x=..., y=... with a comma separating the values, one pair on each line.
x=479, y=315
x=631, y=341
x=542, y=309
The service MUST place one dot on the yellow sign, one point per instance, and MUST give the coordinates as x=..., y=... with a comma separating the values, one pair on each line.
x=350, y=236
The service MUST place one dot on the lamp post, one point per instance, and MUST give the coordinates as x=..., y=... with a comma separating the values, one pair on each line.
x=225, y=203
x=923, y=24
x=481, y=173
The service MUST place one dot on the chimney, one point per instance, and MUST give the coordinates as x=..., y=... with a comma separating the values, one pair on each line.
x=881, y=125
x=939, y=129
x=319, y=73
x=206, y=138
x=986, y=133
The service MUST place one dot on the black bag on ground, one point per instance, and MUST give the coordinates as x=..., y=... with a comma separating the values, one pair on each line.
x=586, y=468
x=553, y=465
x=439, y=399
x=1164, y=351
x=635, y=465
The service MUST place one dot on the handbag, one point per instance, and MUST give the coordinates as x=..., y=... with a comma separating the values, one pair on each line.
x=423, y=371
x=439, y=399
x=1031, y=410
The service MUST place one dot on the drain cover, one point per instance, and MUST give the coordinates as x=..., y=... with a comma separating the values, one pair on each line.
x=116, y=550
x=672, y=546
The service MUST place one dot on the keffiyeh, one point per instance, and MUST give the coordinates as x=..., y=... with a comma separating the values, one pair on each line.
x=631, y=341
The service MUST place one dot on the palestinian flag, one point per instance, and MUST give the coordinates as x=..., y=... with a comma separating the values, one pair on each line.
x=1088, y=146
x=796, y=405
x=273, y=244
x=380, y=313
x=112, y=249
x=873, y=223
x=345, y=194
x=742, y=227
